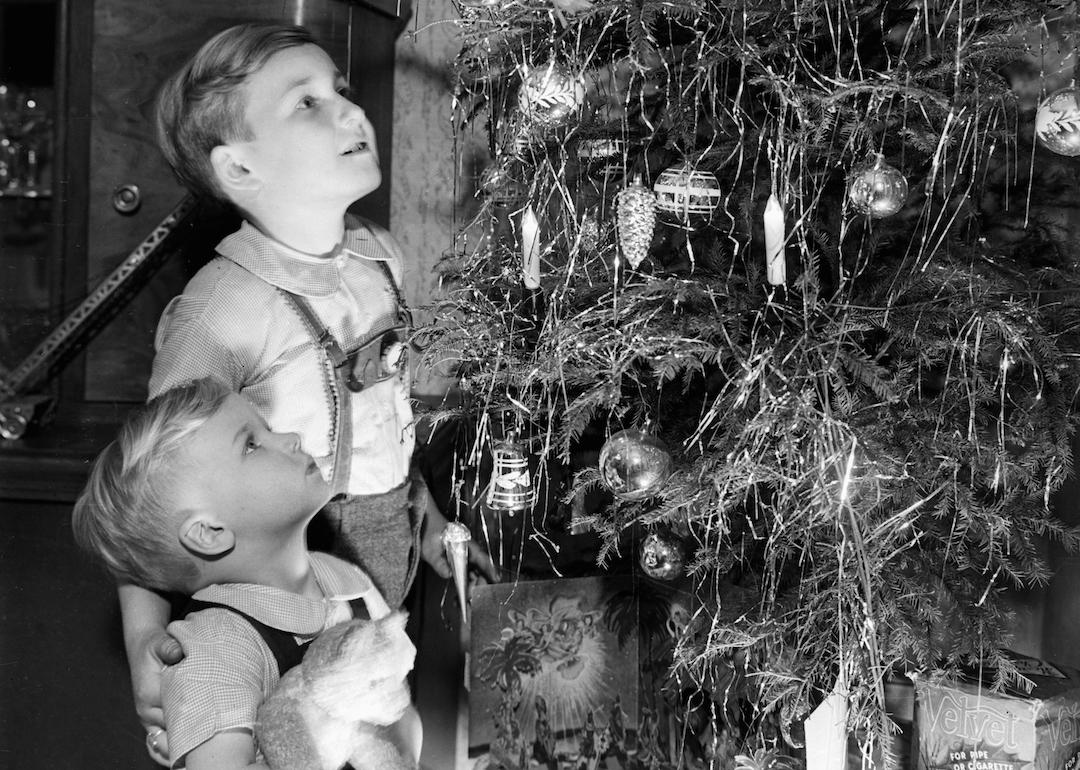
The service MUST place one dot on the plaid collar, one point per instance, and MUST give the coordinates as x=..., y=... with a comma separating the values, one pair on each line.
x=294, y=271
x=291, y=612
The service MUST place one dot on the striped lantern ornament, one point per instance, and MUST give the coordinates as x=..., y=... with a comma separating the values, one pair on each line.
x=603, y=157
x=684, y=193
x=510, y=488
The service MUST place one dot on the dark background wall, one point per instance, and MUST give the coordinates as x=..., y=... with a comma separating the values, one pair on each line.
x=65, y=696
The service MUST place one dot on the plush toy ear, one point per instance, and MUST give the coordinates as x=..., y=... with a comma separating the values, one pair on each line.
x=204, y=536
x=396, y=620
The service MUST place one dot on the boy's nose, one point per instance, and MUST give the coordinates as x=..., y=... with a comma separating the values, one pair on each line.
x=290, y=442
x=353, y=114
x=350, y=110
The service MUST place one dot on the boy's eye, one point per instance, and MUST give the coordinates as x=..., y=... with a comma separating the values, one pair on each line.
x=307, y=102
x=250, y=445
x=346, y=91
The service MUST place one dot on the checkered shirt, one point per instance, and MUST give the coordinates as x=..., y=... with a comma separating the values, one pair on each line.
x=233, y=324
x=228, y=669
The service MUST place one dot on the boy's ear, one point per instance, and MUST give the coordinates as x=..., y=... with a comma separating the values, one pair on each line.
x=204, y=536
x=231, y=171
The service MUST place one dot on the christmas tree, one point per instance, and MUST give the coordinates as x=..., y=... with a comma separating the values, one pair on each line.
x=783, y=282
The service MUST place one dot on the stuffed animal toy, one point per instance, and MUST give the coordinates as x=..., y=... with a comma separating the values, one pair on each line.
x=348, y=701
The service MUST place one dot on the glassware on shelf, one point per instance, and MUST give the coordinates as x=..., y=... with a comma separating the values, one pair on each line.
x=26, y=131
x=8, y=152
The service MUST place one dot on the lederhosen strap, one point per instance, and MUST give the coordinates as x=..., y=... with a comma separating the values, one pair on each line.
x=338, y=381
x=283, y=645
x=338, y=391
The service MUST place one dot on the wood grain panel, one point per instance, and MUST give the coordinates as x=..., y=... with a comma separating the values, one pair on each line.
x=423, y=205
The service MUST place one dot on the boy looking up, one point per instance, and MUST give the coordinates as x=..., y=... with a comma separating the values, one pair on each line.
x=198, y=495
x=301, y=310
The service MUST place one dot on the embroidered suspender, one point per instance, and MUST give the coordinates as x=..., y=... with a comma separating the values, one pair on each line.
x=342, y=380
x=338, y=392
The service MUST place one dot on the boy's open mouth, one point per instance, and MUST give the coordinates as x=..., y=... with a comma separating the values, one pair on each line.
x=358, y=147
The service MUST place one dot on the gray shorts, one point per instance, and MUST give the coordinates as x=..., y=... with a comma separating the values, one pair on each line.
x=380, y=534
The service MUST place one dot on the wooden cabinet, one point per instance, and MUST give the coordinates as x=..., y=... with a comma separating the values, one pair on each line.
x=110, y=189
x=29, y=236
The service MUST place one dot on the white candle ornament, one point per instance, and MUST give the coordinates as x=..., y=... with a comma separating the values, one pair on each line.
x=826, y=731
x=530, y=249
x=775, y=267
x=455, y=540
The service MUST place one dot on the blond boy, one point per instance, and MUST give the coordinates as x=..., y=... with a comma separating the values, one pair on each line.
x=198, y=496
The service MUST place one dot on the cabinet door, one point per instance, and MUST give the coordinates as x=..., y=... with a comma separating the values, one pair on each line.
x=135, y=46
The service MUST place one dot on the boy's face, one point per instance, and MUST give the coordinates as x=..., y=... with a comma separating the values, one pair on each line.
x=311, y=143
x=248, y=475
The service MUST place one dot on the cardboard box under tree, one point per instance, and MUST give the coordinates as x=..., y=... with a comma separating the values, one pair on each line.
x=964, y=725
x=554, y=675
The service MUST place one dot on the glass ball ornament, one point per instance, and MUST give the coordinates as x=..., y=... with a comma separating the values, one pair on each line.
x=550, y=95
x=877, y=189
x=1057, y=122
x=662, y=558
x=684, y=193
x=634, y=464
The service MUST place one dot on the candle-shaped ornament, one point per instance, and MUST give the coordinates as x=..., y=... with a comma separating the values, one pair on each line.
x=455, y=539
x=775, y=266
x=826, y=731
x=530, y=249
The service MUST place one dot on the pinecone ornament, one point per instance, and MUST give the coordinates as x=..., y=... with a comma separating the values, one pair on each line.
x=636, y=214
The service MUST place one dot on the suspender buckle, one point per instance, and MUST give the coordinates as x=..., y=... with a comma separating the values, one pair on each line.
x=382, y=358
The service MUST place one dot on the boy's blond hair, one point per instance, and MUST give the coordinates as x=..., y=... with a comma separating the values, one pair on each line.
x=125, y=514
x=202, y=104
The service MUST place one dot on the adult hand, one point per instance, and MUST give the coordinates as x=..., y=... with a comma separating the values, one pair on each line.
x=152, y=654
x=433, y=552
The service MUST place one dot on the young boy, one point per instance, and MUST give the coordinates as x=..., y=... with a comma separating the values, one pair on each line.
x=198, y=496
x=301, y=311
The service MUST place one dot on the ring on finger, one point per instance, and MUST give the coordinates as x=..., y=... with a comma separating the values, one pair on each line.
x=152, y=738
